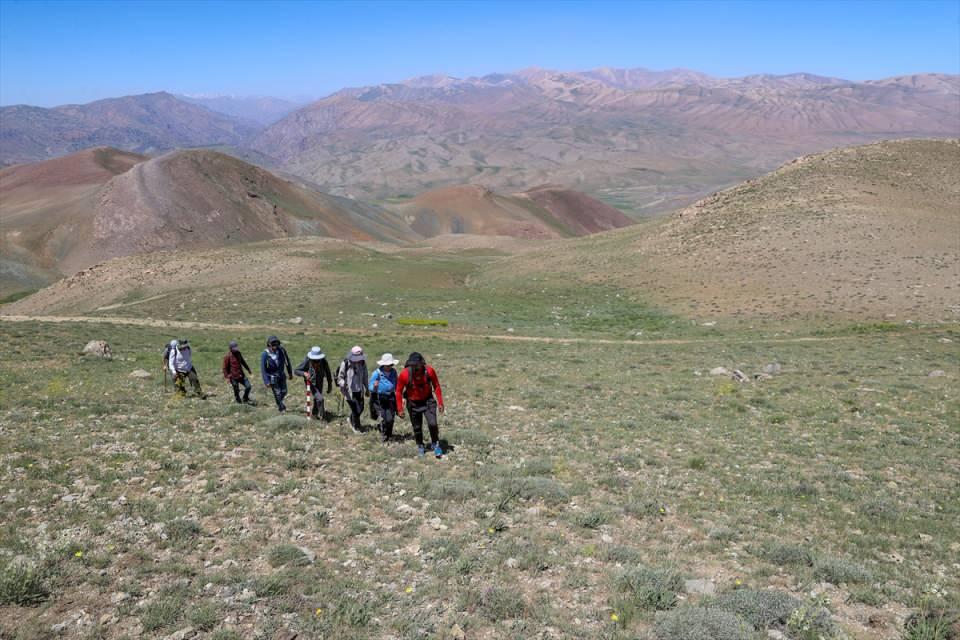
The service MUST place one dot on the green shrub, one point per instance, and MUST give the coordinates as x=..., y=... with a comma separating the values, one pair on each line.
x=181, y=530
x=287, y=554
x=786, y=554
x=535, y=487
x=649, y=588
x=700, y=623
x=839, y=571
x=450, y=489
x=422, y=322
x=22, y=584
x=501, y=603
x=762, y=609
x=204, y=616
x=163, y=611
x=932, y=624
x=591, y=520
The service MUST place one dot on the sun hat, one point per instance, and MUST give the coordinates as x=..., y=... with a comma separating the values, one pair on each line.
x=316, y=353
x=386, y=359
x=183, y=342
x=233, y=345
x=356, y=354
x=273, y=340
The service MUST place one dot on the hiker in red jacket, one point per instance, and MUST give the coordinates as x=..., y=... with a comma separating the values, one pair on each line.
x=233, y=366
x=417, y=383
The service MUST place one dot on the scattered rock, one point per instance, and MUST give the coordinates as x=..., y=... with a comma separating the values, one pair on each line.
x=297, y=320
x=98, y=348
x=772, y=368
x=513, y=563
x=925, y=538
x=739, y=376
x=60, y=627
x=456, y=633
x=937, y=373
x=775, y=634
x=140, y=373
x=183, y=634
x=514, y=407
x=284, y=634
x=311, y=556
x=119, y=597
x=719, y=371
x=701, y=587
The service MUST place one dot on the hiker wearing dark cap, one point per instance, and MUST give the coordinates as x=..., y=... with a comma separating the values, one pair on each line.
x=313, y=370
x=275, y=369
x=233, y=366
x=418, y=382
x=181, y=367
x=352, y=380
x=383, y=383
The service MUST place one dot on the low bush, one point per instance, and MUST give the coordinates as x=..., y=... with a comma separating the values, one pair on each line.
x=650, y=588
x=762, y=609
x=702, y=623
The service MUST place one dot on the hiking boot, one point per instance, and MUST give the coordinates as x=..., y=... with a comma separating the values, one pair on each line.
x=437, y=449
x=421, y=450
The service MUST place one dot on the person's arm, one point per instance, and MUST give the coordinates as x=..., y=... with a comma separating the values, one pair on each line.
x=325, y=372
x=366, y=379
x=286, y=360
x=401, y=384
x=263, y=369
x=374, y=381
x=243, y=363
x=302, y=367
x=435, y=381
x=226, y=367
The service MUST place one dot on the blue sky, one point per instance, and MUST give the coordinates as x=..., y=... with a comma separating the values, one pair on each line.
x=62, y=52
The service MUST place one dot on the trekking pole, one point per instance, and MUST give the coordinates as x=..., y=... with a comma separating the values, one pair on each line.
x=165, y=380
x=306, y=381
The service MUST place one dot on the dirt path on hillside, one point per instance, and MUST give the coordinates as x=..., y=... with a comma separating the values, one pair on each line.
x=447, y=335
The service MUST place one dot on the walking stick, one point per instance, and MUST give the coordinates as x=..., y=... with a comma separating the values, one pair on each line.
x=165, y=380
x=306, y=381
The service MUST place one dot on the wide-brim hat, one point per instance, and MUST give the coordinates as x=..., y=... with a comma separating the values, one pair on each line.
x=356, y=354
x=316, y=353
x=386, y=359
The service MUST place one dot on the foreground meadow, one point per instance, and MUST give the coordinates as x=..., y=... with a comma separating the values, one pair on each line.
x=589, y=491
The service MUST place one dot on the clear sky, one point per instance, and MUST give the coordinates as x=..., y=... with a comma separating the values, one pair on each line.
x=67, y=52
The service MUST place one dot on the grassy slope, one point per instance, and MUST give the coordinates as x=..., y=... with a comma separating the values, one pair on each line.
x=571, y=464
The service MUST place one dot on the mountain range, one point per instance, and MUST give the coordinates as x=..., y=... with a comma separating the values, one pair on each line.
x=644, y=141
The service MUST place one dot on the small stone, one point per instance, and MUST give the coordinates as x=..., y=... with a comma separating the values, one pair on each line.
x=98, y=348
x=937, y=373
x=512, y=563
x=311, y=556
x=60, y=627
x=183, y=634
x=297, y=320
x=456, y=633
x=606, y=537
x=773, y=634
x=284, y=634
x=719, y=371
x=925, y=538
x=739, y=376
x=772, y=368
x=119, y=597
x=700, y=587
x=140, y=373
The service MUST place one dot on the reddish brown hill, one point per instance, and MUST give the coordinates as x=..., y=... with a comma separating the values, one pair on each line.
x=545, y=212
x=66, y=214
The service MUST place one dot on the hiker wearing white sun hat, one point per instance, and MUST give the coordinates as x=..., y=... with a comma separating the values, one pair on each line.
x=383, y=383
x=352, y=379
x=313, y=370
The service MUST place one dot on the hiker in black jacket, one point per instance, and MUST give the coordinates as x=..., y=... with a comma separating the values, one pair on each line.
x=313, y=370
x=275, y=369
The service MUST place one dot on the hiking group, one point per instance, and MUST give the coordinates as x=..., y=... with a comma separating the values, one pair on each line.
x=388, y=390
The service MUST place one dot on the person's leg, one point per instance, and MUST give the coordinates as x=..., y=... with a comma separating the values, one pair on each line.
x=236, y=390
x=416, y=420
x=179, y=383
x=431, y=415
x=387, y=415
x=247, y=388
x=282, y=389
x=317, y=408
x=195, y=382
x=357, y=406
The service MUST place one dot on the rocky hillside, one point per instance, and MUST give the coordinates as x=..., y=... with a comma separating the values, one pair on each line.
x=546, y=212
x=649, y=141
x=144, y=124
x=866, y=232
